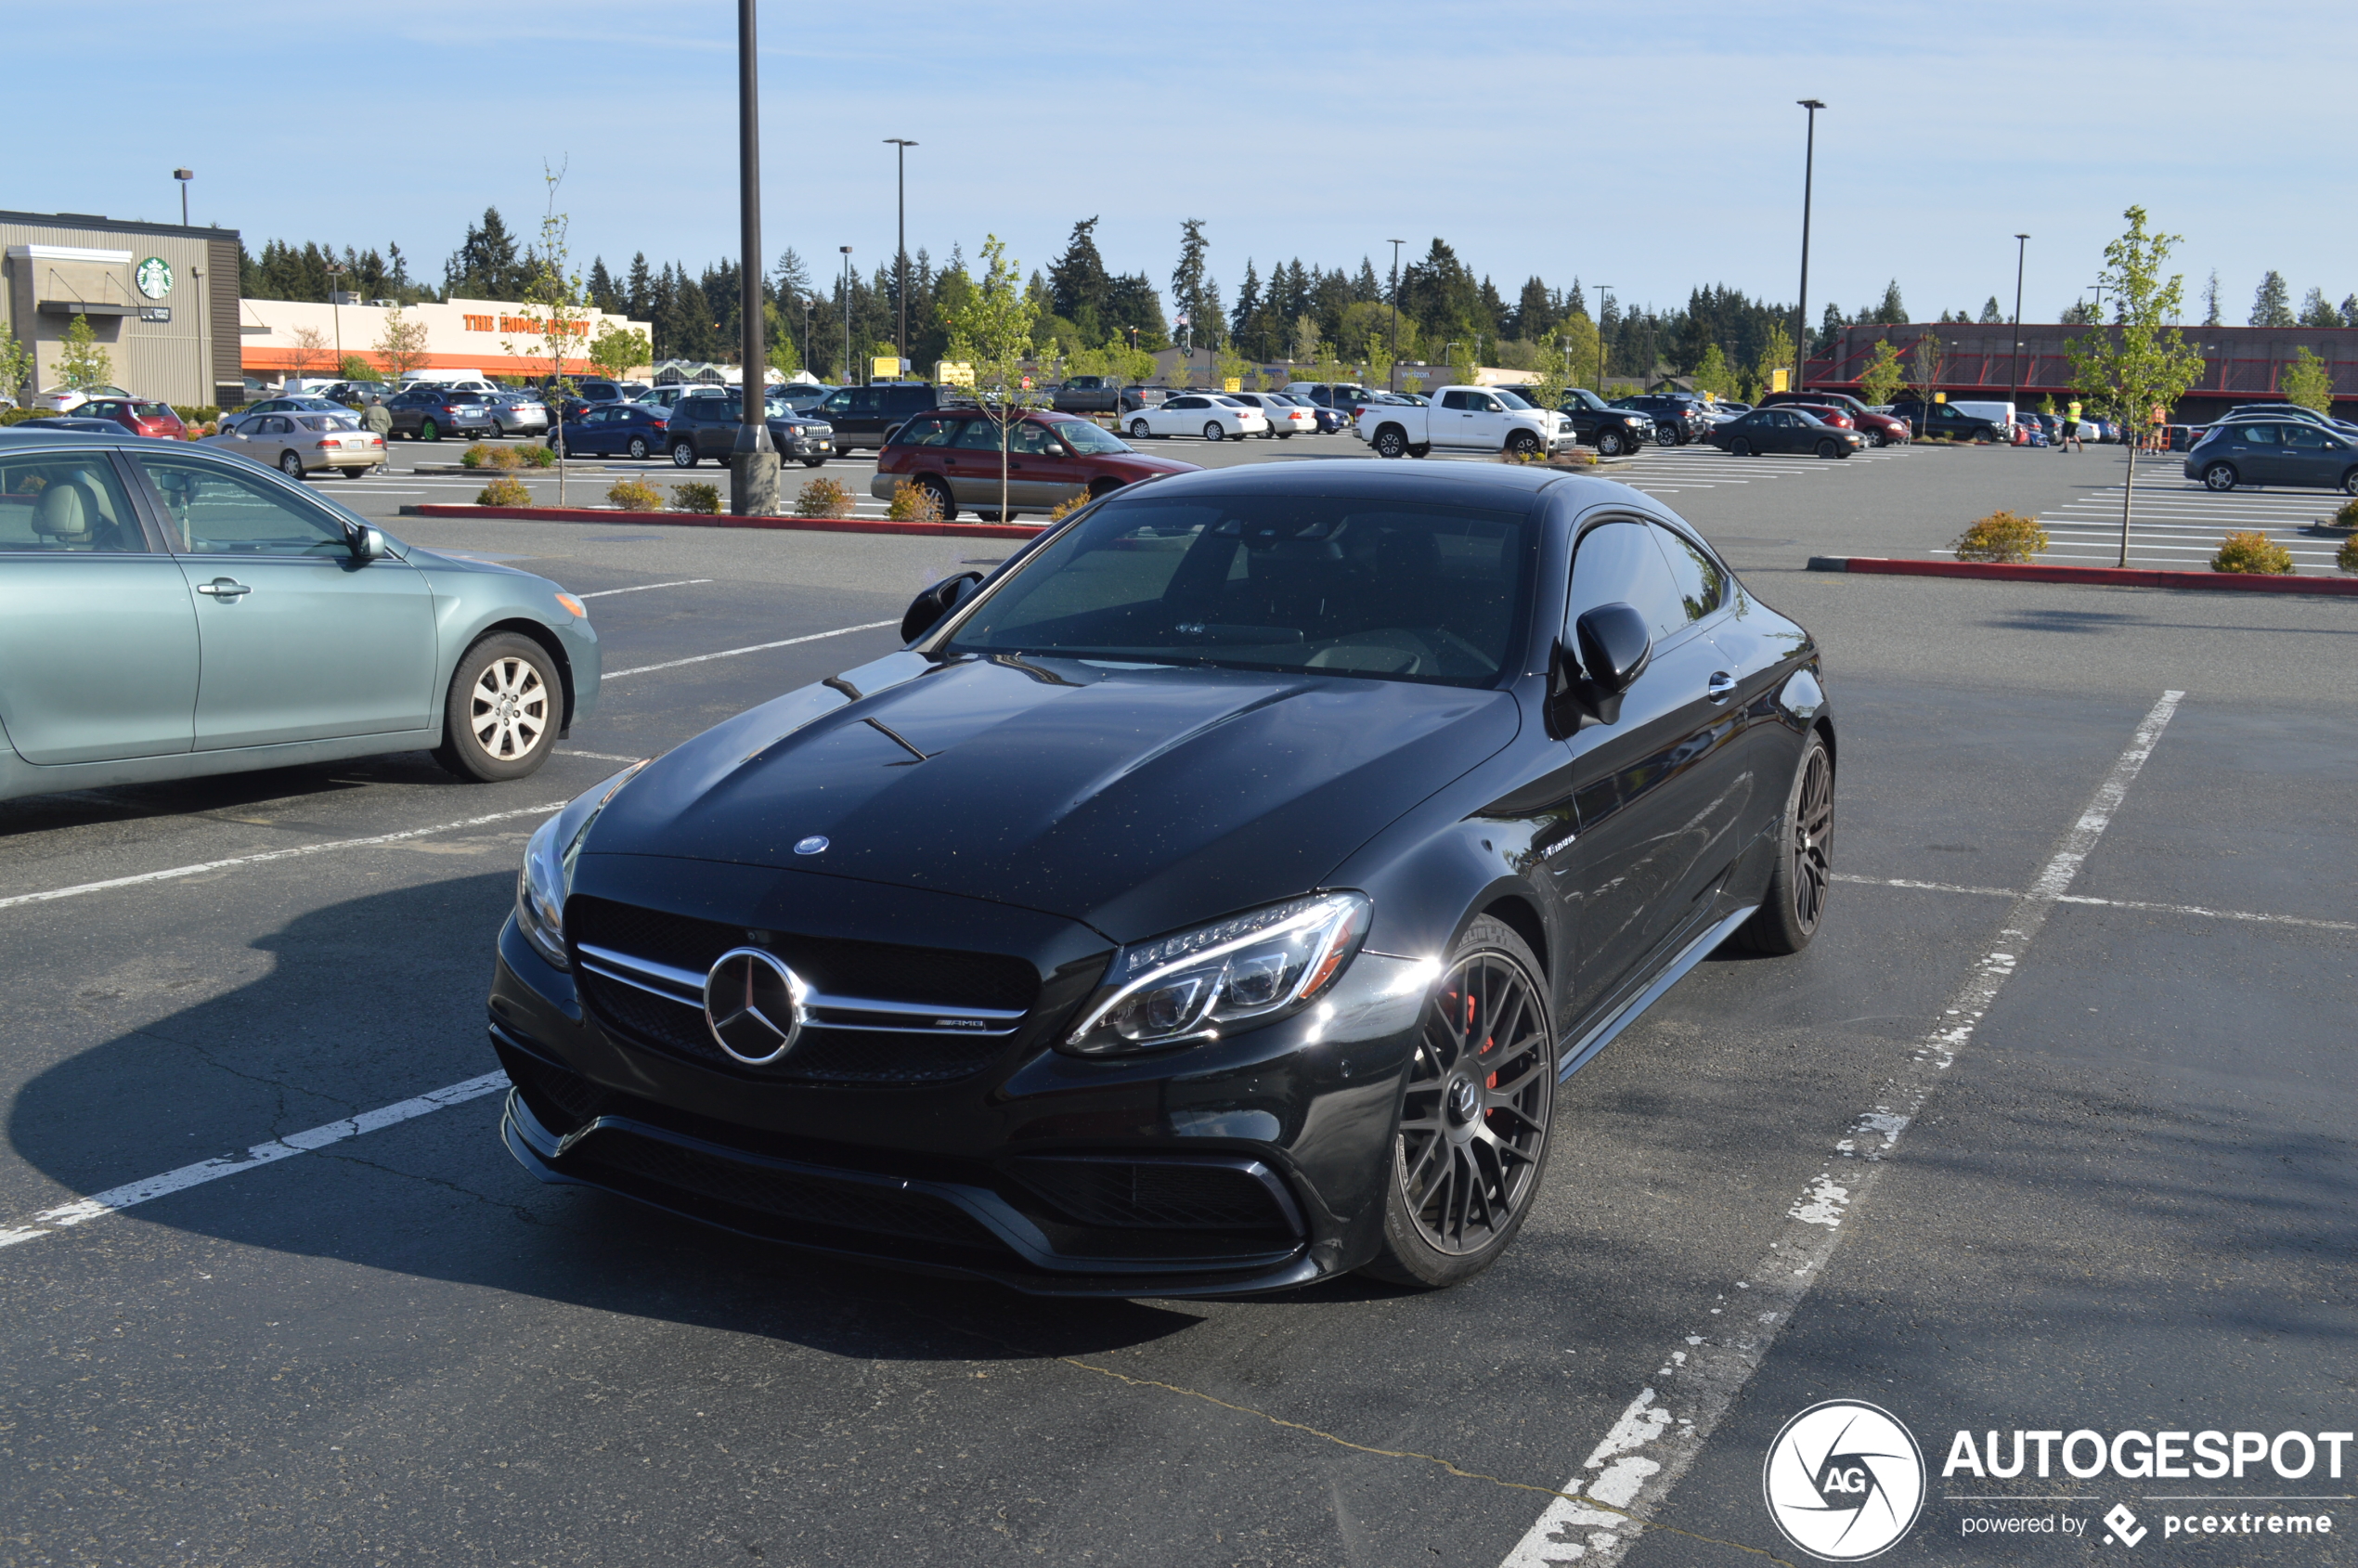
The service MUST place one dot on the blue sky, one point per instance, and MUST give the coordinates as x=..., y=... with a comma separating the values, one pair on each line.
x=1651, y=148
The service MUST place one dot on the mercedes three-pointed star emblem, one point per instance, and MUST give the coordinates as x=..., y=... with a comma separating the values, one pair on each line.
x=754, y=1005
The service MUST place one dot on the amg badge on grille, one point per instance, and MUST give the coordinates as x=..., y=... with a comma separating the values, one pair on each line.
x=752, y=1004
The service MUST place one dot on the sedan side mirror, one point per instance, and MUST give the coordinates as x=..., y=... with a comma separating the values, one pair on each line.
x=1613, y=649
x=928, y=608
x=368, y=544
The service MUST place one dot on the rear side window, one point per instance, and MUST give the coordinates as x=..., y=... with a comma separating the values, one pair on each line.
x=925, y=432
x=1701, y=585
x=66, y=504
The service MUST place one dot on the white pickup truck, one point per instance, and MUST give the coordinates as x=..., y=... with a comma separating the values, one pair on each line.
x=1465, y=418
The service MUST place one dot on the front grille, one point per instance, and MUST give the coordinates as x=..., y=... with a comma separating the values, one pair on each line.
x=803, y=1197
x=933, y=977
x=1124, y=1195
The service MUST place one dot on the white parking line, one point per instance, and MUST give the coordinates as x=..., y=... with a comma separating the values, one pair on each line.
x=641, y=588
x=1639, y=1461
x=201, y=867
x=732, y=653
x=2197, y=910
x=601, y=756
x=48, y=1221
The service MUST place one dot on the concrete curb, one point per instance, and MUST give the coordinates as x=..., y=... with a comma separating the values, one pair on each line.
x=698, y=520
x=2086, y=576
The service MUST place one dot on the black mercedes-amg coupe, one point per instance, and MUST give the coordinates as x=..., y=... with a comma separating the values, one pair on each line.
x=1208, y=901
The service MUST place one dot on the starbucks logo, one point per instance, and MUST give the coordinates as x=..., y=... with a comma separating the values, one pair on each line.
x=154, y=278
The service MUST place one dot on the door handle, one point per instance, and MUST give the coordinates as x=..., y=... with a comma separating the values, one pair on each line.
x=224, y=588
x=1721, y=687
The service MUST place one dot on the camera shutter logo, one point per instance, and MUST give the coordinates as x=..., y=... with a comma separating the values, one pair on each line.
x=754, y=1005
x=153, y=276
x=1844, y=1481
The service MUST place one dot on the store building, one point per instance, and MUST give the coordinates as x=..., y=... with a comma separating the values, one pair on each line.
x=160, y=299
x=282, y=338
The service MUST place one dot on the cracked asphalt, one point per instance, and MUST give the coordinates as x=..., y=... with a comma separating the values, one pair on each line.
x=2126, y=1205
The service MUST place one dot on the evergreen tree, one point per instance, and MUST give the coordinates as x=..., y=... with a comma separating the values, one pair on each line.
x=1990, y=315
x=1078, y=286
x=603, y=292
x=2210, y=300
x=1131, y=301
x=1890, y=312
x=485, y=266
x=1365, y=289
x=1241, y=327
x=1187, y=284
x=1535, y=313
x=2316, y=312
x=639, y=294
x=2272, y=302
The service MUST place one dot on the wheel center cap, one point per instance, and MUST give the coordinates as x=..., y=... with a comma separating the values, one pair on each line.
x=1464, y=1101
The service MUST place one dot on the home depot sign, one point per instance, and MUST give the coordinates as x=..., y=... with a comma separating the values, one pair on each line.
x=532, y=324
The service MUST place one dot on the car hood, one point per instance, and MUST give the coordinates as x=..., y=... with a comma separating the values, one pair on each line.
x=1145, y=462
x=1137, y=799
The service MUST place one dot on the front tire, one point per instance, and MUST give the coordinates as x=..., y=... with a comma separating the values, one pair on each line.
x=1212, y=432
x=1740, y=447
x=503, y=712
x=1828, y=449
x=1796, y=903
x=637, y=448
x=683, y=454
x=1138, y=431
x=1609, y=444
x=290, y=464
x=1391, y=442
x=2219, y=476
x=1470, y=1146
x=1522, y=446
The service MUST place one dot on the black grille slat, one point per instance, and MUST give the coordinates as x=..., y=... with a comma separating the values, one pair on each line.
x=875, y=971
x=810, y=1200
x=1124, y=1195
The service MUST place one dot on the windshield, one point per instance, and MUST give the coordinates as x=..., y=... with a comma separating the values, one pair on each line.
x=1088, y=440
x=1585, y=398
x=1511, y=399
x=1375, y=588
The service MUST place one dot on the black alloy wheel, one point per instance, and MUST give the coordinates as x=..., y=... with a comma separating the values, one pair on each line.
x=1391, y=442
x=429, y=431
x=2219, y=476
x=683, y=454
x=1796, y=900
x=290, y=464
x=1609, y=444
x=1827, y=448
x=1740, y=447
x=637, y=448
x=1472, y=1138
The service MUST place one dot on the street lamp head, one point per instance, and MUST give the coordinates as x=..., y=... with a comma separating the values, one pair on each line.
x=2021, y=235
x=898, y=141
x=184, y=173
x=1810, y=103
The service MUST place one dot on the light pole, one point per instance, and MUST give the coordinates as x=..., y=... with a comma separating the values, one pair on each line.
x=335, y=303
x=845, y=285
x=184, y=176
x=1801, y=306
x=753, y=459
x=2022, y=245
x=1392, y=378
x=1604, y=309
x=901, y=267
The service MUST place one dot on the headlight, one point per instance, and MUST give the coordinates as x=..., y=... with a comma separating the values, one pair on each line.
x=1186, y=988
x=548, y=869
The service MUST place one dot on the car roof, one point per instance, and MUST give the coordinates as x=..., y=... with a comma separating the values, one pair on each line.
x=1496, y=483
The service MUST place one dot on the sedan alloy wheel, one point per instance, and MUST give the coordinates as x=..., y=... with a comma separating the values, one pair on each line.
x=637, y=448
x=2219, y=476
x=503, y=712
x=1138, y=430
x=683, y=454
x=1473, y=1121
x=1212, y=431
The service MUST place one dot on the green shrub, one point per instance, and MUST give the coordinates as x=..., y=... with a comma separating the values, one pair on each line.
x=504, y=492
x=17, y=416
x=823, y=497
x=2251, y=552
x=193, y=415
x=2002, y=535
x=697, y=497
x=2346, y=556
x=634, y=495
x=912, y=503
x=1064, y=509
x=478, y=456
x=2347, y=517
x=535, y=456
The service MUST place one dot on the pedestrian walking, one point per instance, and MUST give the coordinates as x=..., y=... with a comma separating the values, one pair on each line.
x=2071, y=428
x=378, y=419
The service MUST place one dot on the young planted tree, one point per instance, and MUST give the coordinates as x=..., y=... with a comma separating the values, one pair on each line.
x=401, y=347
x=2143, y=363
x=1881, y=377
x=617, y=351
x=1776, y=354
x=1711, y=374
x=1927, y=365
x=83, y=363
x=990, y=332
x=16, y=370
x=2306, y=382
x=1226, y=365
x=557, y=317
x=307, y=351
x=1580, y=333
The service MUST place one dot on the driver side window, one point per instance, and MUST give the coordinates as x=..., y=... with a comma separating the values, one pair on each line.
x=212, y=511
x=1618, y=562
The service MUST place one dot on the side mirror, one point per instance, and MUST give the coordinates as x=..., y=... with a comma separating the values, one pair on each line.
x=1613, y=649
x=927, y=610
x=368, y=544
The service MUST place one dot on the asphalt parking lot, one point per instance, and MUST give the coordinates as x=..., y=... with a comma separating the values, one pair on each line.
x=2049, y=1129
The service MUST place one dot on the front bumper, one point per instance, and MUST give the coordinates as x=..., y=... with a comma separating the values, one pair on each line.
x=1254, y=1164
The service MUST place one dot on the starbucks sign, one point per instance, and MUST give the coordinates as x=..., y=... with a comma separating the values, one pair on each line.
x=154, y=278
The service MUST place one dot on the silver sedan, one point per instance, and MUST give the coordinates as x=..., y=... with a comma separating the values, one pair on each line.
x=297, y=444
x=518, y=413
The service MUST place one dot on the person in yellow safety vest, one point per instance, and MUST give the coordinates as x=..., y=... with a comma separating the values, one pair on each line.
x=2071, y=428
